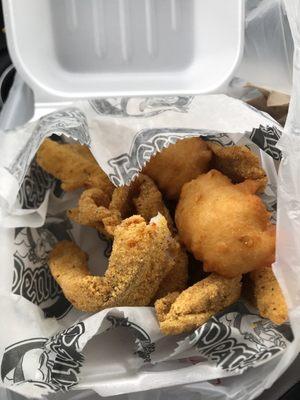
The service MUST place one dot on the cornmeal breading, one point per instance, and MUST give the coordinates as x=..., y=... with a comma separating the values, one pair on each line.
x=185, y=311
x=142, y=255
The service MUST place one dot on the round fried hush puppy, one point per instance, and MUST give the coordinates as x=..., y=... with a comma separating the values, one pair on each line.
x=142, y=255
x=74, y=165
x=224, y=225
x=177, y=164
x=185, y=311
x=267, y=295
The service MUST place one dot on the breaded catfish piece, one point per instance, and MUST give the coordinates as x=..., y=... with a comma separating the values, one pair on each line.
x=74, y=165
x=140, y=197
x=238, y=163
x=224, y=225
x=142, y=255
x=267, y=295
x=186, y=311
x=93, y=211
x=177, y=279
x=177, y=164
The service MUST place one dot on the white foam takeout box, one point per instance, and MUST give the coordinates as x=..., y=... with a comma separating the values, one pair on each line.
x=67, y=49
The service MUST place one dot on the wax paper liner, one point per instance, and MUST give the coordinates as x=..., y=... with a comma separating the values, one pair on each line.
x=48, y=345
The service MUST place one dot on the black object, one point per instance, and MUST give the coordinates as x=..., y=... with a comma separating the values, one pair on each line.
x=2, y=31
x=7, y=70
x=7, y=74
x=293, y=393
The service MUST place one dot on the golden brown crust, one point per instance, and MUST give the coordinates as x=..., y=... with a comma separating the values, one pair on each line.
x=74, y=165
x=92, y=211
x=225, y=225
x=68, y=265
x=141, y=197
x=177, y=164
x=122, y=197
x=238, y=163
x=141, y=257
x=163, y=305
x=177, y=278
x=178, y=313
x=267, y=295
x=149, y=201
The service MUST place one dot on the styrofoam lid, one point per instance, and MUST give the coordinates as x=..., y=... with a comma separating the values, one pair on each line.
x=73, y=49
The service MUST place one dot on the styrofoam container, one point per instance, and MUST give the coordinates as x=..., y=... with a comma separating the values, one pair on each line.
x=77, y=49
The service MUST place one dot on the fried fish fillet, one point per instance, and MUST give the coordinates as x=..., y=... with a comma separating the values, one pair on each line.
x=224, y=225
x=178, y=164
x=186, y=311
x=267, y=295
x=177, y=279
x=140, y=197
x=93, y=210
x=142, y=255
x=74, y=165
x=238, y=163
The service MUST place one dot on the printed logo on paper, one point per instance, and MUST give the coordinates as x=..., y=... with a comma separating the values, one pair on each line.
x=34, y=187
x=266, y=138
x=52, y=364
x=140, y=107
x=236, y=341
x=32, y=277
x=144, y=346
